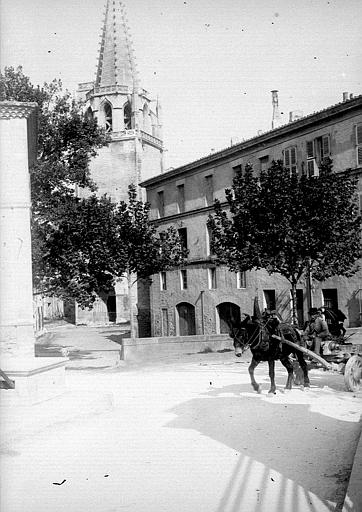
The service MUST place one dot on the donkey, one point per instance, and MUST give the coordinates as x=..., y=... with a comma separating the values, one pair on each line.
x=258, y=336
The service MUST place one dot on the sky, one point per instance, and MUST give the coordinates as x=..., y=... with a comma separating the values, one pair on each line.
x=211, y=63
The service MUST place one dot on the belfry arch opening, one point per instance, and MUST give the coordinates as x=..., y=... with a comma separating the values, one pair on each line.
x=108, y=117
x=127, y=116
x=89, y=114
x=146, y=119
x=228, y=314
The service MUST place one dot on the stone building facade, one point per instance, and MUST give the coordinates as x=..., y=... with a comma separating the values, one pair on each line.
x=132, y=120
x=199, y=298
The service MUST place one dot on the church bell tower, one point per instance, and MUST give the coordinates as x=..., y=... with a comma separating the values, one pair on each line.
x=132, y=120
x=129, y=115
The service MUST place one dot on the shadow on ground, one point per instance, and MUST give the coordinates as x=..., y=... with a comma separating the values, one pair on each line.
x=280, y=444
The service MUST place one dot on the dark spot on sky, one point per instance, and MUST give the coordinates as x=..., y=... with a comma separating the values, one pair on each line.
x=276, y=15
x=49, y=51
x=315, y=58
x=207, y=24
x=154, y=73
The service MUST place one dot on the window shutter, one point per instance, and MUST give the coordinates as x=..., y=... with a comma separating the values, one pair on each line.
x=359, y=143
x=359, y=134
x=293, y=156
x=310, y=149
x=310, y=164
x=359, y=155
x=287, y=158
x=325, y=146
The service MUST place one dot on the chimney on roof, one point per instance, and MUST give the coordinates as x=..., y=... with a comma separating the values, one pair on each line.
x=294, y=115
x=345, y=96
x=276, y=120
x=351, y=96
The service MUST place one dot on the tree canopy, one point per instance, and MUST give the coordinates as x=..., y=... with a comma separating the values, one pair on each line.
x=289, y=224
x=81, y=245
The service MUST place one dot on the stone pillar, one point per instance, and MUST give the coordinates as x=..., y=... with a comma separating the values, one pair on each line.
x=35, y=378
x=16, y=292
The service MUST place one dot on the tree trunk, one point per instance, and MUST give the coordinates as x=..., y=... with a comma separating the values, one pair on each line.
x=130, y=298
x=294, y=303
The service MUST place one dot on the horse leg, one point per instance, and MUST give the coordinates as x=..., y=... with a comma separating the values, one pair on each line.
x=273, y=388
x=288, y=365
x=304, y=367
x=254, y=363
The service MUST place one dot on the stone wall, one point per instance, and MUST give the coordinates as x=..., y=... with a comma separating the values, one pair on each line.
x=148, y=349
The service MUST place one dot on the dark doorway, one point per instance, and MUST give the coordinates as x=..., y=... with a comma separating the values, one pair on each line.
x=330, y=298
x=186, y=319
x=228, y=313
x=111, y=308
x=270, y=302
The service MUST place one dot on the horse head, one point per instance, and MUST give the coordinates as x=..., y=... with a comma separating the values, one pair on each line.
x=239, y=332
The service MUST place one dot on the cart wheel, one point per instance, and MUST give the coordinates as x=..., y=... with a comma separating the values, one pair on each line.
x=353, y=373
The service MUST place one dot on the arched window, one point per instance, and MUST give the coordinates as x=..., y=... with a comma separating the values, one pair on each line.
x=127, y=116
x=108, y=117
x=89, y=114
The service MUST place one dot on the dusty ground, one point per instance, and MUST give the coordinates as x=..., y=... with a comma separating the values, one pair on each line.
x=182, y=436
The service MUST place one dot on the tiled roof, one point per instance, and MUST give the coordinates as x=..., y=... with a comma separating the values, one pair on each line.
x=16, y=109
x=298, y=123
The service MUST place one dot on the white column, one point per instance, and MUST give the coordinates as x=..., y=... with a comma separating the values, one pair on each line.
x=16, y=297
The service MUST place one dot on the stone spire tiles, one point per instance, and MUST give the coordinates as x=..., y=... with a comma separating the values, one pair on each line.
x=116, y=64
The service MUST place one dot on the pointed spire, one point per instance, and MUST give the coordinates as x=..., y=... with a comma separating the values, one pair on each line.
x=116, y=62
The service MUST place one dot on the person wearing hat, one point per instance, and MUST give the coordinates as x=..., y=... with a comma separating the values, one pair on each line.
x=317, y=329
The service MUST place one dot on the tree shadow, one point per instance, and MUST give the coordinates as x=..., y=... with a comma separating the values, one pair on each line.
x=277, y=470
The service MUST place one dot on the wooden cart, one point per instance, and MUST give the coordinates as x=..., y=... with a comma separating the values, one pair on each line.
x=347, y=354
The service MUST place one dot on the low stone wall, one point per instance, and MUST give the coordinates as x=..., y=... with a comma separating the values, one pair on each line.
x=148, y=349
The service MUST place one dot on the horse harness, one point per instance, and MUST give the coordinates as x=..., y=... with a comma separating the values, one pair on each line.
x=259, y=339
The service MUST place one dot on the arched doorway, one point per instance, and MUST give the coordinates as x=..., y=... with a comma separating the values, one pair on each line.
x=228, y=313
x=186, y=319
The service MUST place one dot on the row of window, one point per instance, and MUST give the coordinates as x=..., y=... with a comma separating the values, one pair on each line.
x=211, y=279
x=316, y=150
x=208, y=192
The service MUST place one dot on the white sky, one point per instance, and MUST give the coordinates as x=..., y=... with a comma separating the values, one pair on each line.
x=212, y=63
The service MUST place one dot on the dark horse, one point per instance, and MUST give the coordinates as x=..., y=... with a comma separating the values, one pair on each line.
x=258, y=336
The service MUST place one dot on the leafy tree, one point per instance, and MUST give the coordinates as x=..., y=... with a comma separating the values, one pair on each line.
x=67, y=141
x=289, y=225
x=112, y=241
x=81, y=245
